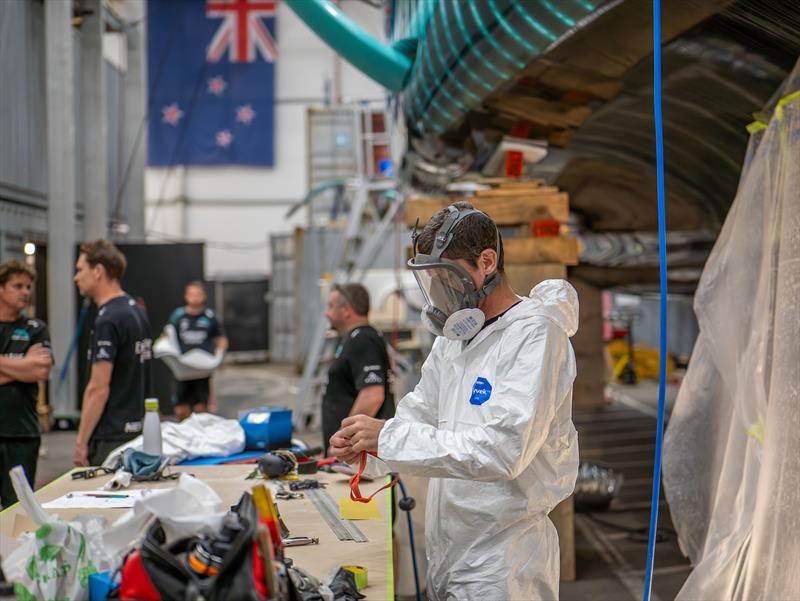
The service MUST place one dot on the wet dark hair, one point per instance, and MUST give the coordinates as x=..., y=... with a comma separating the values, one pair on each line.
x=474, y=234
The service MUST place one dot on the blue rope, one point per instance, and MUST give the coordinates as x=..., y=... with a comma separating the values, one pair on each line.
x=411, y=541
x=662, y=274
x=73, y=345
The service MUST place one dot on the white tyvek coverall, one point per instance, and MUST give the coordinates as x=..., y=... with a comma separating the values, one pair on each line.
x=497, y=469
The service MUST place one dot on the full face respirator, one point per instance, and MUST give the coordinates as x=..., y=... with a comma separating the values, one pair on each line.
x=451, y=297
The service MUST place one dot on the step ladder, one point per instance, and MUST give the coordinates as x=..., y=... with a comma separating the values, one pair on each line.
x=359, y=245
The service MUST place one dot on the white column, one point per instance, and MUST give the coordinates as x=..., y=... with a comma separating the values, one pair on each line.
x=93, y=184
x=61, y=151
x=135, y=128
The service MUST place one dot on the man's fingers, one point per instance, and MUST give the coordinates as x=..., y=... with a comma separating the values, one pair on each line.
x=353, y=420
x=349, y=431
x=339, y=441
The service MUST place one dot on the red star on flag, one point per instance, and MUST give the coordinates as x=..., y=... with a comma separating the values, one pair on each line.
x=171, y=114
x=217, y=85
x=245, y=114
x=224, y=138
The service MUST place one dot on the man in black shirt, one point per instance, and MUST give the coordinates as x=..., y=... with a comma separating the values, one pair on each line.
x=25, y=360
x=358, y=378
x=119, y=356
x=197, y=327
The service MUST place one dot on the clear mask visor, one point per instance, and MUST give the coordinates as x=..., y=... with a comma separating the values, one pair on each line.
x=443, y=286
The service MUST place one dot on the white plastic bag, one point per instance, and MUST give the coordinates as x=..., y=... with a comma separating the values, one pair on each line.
x=192, y=507
x=56, y=561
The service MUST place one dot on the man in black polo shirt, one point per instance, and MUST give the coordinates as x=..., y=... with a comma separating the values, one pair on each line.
x=358, y=378
x=119, y=356
x=197, y=327
x=25, y=360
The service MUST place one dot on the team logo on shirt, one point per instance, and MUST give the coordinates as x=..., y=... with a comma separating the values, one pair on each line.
x=481, y=391
x=20, y=334
x=373, y=378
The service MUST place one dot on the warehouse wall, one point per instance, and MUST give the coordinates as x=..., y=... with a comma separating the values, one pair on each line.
x=234, y=209
x=23, y=156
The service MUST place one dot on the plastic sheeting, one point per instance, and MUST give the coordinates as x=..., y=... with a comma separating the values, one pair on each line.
x=191, y=365
x=732, y=449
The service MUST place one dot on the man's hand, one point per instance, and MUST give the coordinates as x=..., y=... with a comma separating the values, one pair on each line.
x=33, y=367
x=81, y=456
x=362, y=432
x=41, y=360
x=341, y=449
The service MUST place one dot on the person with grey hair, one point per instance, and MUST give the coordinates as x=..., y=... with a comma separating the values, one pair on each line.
x=358, y=378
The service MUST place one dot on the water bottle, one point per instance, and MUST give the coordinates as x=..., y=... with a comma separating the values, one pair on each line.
x=151, y=432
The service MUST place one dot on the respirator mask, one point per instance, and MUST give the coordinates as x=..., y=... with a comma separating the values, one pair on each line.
x=451, y=297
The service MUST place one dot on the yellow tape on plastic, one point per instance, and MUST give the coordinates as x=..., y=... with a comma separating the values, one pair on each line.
x=785, y=101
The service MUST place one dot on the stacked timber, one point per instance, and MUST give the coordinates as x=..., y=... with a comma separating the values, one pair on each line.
x=532, y=219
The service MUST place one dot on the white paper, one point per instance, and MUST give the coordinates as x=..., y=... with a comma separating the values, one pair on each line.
x=97, y=499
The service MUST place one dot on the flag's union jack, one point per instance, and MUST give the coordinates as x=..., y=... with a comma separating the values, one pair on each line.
x=242, y=31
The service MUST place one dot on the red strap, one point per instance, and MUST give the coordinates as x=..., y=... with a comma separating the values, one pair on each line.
x=355, y=493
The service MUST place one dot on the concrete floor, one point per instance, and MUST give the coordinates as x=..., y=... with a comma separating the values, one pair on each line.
x=610, y=560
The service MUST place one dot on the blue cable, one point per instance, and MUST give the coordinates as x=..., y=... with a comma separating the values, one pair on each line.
x=662, y=277
x=411, y=541
x=75, y=338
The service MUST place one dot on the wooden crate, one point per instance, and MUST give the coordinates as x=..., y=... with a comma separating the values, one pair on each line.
x=527, y=251
x=505, y=210
x=522, y=278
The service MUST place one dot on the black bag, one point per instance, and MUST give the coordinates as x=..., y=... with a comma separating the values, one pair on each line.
x=166, y=565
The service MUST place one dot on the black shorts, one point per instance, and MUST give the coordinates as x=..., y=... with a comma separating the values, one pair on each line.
x=16, y=451
x=192, y=392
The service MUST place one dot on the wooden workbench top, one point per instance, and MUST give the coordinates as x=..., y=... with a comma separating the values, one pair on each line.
x=229, y=482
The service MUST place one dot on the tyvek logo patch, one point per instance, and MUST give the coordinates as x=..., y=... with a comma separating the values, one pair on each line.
x=481, y=391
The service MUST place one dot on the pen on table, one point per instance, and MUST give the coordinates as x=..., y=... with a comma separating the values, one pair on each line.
x=99, y=495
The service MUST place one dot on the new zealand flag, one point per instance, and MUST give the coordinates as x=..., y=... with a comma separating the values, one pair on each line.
x=211, y=66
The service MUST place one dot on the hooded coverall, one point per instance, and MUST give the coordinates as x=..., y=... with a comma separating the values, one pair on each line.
x=490, y=423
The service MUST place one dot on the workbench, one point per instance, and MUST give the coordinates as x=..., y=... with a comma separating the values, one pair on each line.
x=300, y=516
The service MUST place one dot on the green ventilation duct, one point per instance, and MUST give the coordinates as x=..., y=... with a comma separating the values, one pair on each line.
x=384, y=64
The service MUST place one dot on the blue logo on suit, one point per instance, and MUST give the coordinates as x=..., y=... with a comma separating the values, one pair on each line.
x=481, y=391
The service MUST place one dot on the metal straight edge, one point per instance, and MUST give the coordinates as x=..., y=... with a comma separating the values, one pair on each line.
x=343, y=529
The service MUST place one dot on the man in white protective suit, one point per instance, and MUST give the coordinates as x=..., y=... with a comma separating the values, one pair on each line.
x=490, y=422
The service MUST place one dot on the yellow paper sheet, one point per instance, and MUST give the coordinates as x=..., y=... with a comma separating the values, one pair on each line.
x=351, y=510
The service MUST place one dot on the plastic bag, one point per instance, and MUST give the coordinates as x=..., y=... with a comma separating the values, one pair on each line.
x=56, y=561
x=192, y=507
x=53, y=564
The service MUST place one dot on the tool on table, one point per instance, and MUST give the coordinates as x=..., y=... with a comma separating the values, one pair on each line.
x=306, y=485
x=91, y=472
x=284, y=494
x=269, y=514
x=277, y=463
x=360, y=572
x=329, y=510
x=299, y=541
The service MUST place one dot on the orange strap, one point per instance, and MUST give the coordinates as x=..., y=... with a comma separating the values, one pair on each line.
x=355, y=493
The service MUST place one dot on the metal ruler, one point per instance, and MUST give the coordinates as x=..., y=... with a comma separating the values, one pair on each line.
x=328, y=509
